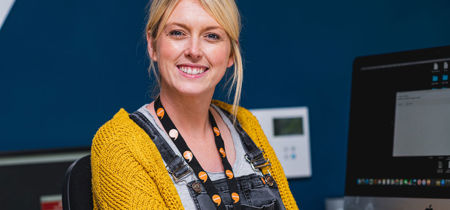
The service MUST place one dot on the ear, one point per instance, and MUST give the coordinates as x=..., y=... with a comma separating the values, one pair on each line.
x=231, y=58
x=150, y=48
x=230, y=61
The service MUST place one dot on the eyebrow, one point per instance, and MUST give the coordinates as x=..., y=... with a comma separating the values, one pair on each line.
x=182, y=25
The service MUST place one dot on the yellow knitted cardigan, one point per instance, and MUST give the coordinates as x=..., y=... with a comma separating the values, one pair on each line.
x=129, y=173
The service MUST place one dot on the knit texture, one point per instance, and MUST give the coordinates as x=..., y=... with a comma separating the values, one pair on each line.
x=128, y=171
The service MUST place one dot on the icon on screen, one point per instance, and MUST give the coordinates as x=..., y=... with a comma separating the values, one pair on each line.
x=445, y=77
x=435, y=66
x=435, y=78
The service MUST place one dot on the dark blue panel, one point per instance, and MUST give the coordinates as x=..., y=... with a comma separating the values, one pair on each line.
x=67, y=66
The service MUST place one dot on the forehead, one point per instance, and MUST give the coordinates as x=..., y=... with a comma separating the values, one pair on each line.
x=191, y=13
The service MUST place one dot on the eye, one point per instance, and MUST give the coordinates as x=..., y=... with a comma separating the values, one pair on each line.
x=176, y=33
x=213, y=36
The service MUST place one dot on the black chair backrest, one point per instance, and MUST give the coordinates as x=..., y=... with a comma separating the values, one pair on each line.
x=77, y=190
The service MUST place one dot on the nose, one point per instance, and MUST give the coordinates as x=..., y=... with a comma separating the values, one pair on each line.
x=194, y=50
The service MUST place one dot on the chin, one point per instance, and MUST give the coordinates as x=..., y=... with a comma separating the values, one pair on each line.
x=195, y=90
x=193, y=93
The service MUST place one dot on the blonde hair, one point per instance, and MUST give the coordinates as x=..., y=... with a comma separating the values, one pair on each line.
x=226, y=14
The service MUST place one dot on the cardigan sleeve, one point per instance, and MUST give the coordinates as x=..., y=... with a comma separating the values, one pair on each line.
x=119, y=181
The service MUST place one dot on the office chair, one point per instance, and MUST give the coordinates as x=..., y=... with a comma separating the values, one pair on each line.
x=77, y=189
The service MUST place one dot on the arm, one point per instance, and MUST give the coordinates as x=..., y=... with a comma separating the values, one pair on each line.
x=118, y=180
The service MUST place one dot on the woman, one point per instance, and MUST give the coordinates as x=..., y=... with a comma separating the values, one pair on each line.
x=184, y=150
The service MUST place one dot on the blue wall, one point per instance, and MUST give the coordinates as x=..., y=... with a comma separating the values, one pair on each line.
x=67, y=66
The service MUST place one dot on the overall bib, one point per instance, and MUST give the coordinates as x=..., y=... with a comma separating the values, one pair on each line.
x=256, y=191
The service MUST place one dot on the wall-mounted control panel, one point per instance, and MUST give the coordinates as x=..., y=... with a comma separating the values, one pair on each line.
x=288, y=132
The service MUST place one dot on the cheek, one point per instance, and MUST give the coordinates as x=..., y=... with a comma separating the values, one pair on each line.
x=168, y=50
x=164, y=53
x=219, y=55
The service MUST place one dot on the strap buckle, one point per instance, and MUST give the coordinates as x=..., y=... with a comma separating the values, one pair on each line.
x=178, y=175
x=258, y=161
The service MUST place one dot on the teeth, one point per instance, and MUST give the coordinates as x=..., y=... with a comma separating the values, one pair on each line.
x=192, y=70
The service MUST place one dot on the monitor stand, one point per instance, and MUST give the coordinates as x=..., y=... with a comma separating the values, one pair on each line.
x=394, y=203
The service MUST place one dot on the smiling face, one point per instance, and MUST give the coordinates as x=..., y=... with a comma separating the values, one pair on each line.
x=192, y=52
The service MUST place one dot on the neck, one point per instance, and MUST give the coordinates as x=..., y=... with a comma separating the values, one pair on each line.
x=189, y=113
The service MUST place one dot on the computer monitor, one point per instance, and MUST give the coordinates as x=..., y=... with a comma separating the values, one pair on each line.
x=33, y=180
x=399, y=134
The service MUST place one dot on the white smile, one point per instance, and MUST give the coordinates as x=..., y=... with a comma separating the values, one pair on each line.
x=192, y=70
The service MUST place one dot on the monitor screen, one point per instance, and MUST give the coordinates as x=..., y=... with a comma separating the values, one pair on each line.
x=33, y=180
x=399, y=133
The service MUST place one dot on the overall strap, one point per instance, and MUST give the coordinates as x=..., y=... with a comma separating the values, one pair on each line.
x=254, y=155
x=176, y=166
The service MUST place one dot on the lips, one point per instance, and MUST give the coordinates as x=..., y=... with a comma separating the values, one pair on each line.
x=192, y=70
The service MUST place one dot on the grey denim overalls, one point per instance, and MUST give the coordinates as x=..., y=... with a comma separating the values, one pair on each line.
x=256, y=192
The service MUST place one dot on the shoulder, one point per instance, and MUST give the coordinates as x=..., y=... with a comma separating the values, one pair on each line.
x=116, y=132
x=127, y=169
x=247, y=121
x=252, y=127
x=118, y=126
x=121, y=141
x=244, y=116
